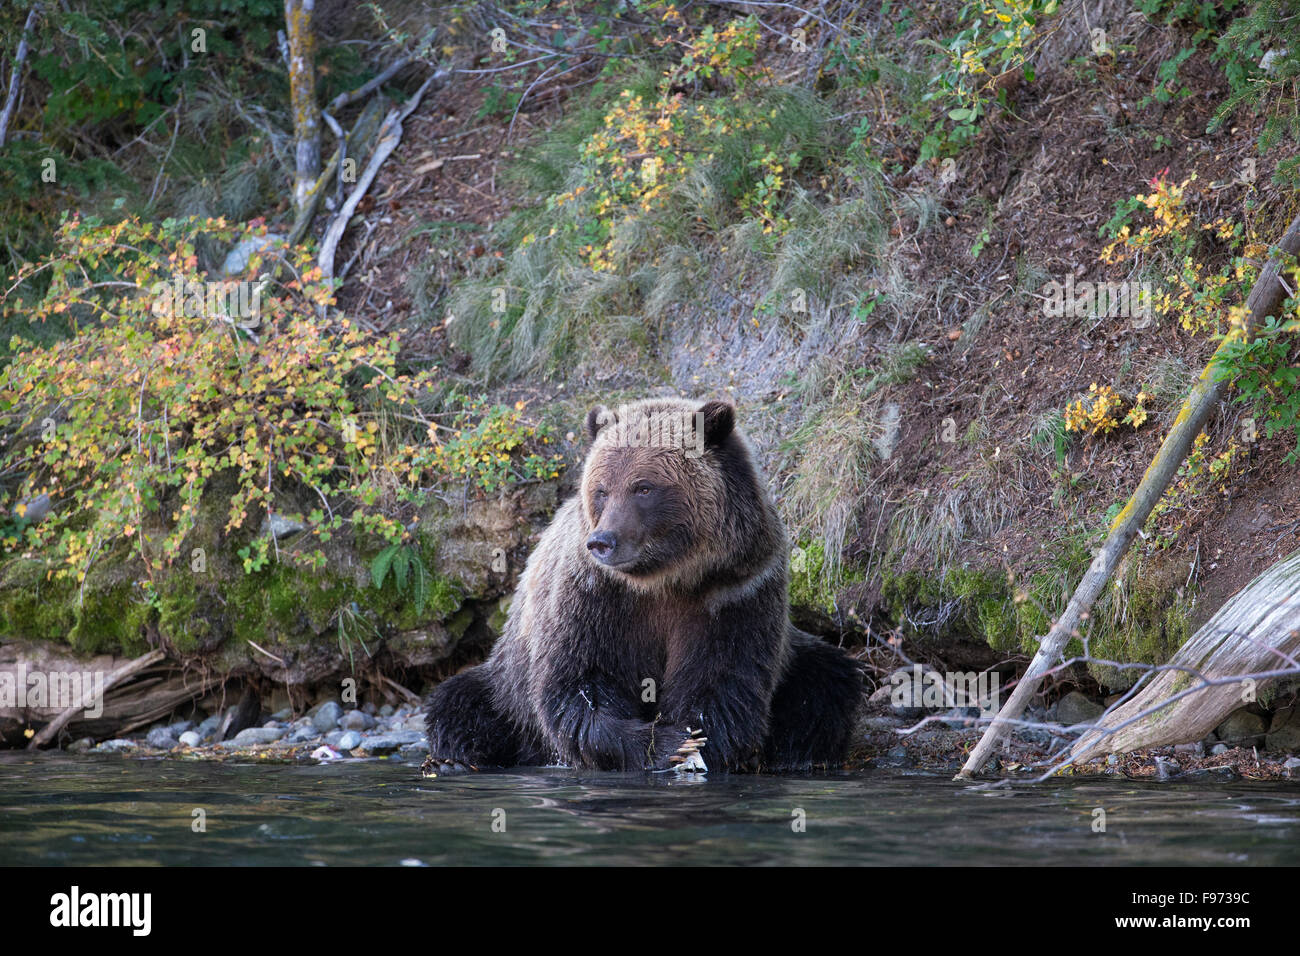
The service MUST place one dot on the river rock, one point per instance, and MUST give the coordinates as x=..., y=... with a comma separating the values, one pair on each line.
x=191, y=739
x=886, y=723
x=416, y=748
x=327, y=718
x=1284, y=730
x=209, y=726
x=84, y=745
x=1291, y=767
x=303, y=734
x=237, y=259
x=1075, y=708
x=356, y=720
x=387, y=743
x=386, y=710
x=278, y=526
x=116, y=745
x=1243, y=728
x=180, y=727
x=350, y=740
x=1219, y=749
x=257, y=735
x=160, y=738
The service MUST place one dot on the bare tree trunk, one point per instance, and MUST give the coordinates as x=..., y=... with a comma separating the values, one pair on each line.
x=302, y=90
x=1265, y=299
x=16, y=78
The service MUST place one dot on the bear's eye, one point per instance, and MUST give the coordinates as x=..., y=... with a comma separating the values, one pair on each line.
x=643, y=490
x=600, y=494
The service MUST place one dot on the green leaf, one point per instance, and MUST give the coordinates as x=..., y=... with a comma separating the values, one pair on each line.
x=379, y=567
x=401, y=563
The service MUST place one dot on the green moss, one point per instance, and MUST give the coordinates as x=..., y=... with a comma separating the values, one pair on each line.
x=812, y=585
x=110, y=611
x=33, y=607
x=1145, y=621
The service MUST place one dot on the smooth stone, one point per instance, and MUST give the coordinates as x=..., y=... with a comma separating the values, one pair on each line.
x=1074, y=708
x=333, y=737
x=116, y=745
x=180, y=727
x=191, y=739
x=209, y=726
x=303, y=734
x=1219, y=749
x=356, y=720
x=283, y=715
x=238, y=258
x=1242, y=727
x=257, y=735
x=1291, y=767
x=387, y=743
x=160, y=738
x=369, y=708
x=350, y=740
x=327, y=718
x=278, y=526
x=1284, y=730
x=84, y=745
x=386, y=710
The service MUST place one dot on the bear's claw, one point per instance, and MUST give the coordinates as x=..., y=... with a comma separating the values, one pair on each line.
x=688, y=759
x=438, y=766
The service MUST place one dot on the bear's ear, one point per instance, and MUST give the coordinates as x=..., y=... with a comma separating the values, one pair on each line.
x=719, y=420
x=598, y=418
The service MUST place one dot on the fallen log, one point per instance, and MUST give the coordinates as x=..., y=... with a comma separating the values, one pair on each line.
x=1265, y=299
x=1250, y=643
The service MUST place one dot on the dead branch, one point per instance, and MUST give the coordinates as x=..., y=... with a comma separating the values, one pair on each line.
x=1264, y=299
x=390, y=134
x=16, y=77
x=51, y=730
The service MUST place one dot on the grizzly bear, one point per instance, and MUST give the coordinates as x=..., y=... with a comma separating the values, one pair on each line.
x=652, y=621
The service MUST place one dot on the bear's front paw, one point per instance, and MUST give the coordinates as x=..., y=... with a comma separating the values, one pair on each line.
x=687, y=759
x=440, y=767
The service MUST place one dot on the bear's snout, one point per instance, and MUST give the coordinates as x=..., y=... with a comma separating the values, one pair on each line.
x=601, y=544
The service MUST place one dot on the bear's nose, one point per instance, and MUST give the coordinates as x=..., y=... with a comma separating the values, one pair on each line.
x=601, y=544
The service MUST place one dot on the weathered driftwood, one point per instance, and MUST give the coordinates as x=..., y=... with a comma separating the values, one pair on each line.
x=132, y=692
x=51, y=730
x=1256, y=633
x=1265, y=299
x=358, y=141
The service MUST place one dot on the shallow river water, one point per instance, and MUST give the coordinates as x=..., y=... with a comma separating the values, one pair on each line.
x=56, y=809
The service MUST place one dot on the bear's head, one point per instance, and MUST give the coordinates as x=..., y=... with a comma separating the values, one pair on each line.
x=659, y=486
